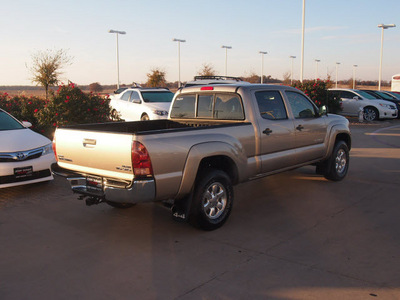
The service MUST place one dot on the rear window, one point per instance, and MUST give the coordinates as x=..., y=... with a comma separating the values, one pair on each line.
x=220, y=106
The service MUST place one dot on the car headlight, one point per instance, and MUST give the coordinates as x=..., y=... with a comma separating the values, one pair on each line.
x=47, y=149
x=160, y=112
x=385, y=105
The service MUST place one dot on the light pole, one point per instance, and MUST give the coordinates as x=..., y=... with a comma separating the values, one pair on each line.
x=316, y=68
x=337, y=65
x=116, y=33
x=354, y=76
x=383, y=26
x=262, y=64
x=226, y=58
x=291, y=71
x=302, y=40
x=179, y=59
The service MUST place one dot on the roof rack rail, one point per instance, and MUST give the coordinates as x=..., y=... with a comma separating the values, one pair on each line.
x=217, y=78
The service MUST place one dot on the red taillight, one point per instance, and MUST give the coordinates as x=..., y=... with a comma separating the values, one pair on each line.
x=54, y=147
x=207, y=88
x=141, y=160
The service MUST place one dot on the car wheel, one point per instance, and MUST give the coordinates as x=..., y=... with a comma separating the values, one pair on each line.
x=120, y=205
x=371, y=114
x=212, y=200
x=144, y=117
x=336, y=167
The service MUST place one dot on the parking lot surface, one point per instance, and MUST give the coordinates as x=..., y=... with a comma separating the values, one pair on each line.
x=290, y=236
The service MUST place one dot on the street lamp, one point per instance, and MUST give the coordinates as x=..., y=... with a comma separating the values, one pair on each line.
x=354, y=76
x=291, y=72
x=262, y=64
x=179, y=59
x=383, y=26
x=337, y=64
x=116, y=33
x=302, y=40
x=226, y=58
x=316, y=68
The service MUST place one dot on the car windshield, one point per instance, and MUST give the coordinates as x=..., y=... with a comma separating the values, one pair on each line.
x=385, y=96
x=366, y=95
x=164, y=96
x=8, y=123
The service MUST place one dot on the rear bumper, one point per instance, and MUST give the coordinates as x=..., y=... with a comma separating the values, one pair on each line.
x=135, y=192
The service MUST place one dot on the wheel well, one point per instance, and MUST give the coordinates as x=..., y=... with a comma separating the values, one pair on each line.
x=220, y=162
x=344, y=137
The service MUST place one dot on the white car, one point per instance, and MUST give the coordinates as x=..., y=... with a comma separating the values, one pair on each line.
x=25, y=156
x=373, y=109
x=137, y=103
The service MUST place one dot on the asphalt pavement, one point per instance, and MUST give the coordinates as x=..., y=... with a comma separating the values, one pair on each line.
x=293, y=235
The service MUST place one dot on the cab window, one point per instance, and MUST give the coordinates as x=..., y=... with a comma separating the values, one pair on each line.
x=184, y=107
x=270, y=105
x=302, y=108
x=228, y=107
x=205, y=106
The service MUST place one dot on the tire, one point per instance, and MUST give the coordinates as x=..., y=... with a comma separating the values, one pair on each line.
x=212, y=200
x=371, y=114
x=120, y=205
x=336, y=167
x=144, y=117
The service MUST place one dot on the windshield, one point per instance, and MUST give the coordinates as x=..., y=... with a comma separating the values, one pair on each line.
x=8, y=123
x=385, y=96
x=366, y=95
x=164, y=96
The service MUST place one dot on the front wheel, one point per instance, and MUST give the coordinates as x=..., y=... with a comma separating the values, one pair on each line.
x=212, y=200
x=336, y=167
x=371, y=114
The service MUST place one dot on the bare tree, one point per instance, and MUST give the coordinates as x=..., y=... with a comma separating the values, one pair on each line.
x=156, y=78
x=207, y=70
x=46, y=66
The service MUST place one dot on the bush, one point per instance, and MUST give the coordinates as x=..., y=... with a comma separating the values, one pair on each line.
x=318, y=92
x=68, y=106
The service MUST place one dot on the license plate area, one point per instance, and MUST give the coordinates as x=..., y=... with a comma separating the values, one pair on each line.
x=94, y=184
x=23, y=172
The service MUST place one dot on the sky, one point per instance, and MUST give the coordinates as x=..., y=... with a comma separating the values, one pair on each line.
x=342, y=31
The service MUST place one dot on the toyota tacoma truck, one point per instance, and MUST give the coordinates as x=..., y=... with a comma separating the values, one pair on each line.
x=216, y=136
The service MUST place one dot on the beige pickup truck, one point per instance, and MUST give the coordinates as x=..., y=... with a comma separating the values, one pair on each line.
x=216, y=136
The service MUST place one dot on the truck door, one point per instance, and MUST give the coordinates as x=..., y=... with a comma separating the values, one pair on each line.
x=276, y=132
x=310, y=128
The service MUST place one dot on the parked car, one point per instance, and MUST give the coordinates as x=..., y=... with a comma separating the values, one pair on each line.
x=373, y=109
x=25, y=156
x=394, y=94
x=138, y=103
x=385, y=96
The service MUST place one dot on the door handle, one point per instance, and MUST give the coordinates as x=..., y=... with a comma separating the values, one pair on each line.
x=267, y=131
x=299, y=128
x=89, y=142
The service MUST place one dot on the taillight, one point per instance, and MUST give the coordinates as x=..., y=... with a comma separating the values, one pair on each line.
x=54, y=147
x=206, y=88
x=141, y=160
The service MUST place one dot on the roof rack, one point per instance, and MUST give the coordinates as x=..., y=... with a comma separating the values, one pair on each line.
x=217, y=78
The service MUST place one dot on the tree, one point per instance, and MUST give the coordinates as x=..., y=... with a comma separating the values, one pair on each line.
x=95, y=87
x=207, y=70
x=46, y=66
x=156, y=78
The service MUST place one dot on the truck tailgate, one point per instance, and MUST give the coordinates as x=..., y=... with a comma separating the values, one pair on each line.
x=97, y=153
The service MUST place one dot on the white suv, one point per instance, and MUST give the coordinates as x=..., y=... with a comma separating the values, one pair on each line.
x=373, y=109
x=138, y=103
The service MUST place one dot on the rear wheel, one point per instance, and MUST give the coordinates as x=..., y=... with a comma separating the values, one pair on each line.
x=212, y=200
x=371, y=114
x=120, y=205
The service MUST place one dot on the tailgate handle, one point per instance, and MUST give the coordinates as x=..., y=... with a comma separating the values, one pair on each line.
x=89, y=142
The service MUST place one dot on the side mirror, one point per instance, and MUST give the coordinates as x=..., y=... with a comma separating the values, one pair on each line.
x=26, y=124
x=323, y=110
x=356, y=98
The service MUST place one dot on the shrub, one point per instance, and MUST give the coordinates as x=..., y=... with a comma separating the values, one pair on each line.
x=318, y=92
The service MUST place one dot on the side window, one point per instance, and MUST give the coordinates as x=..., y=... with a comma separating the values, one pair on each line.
x=125, y=96
x=134, y=96
x=301, y=106
x=228, y=107
x=271, y=106
x=347, y=95
x=205, y=106
x=183, y=107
